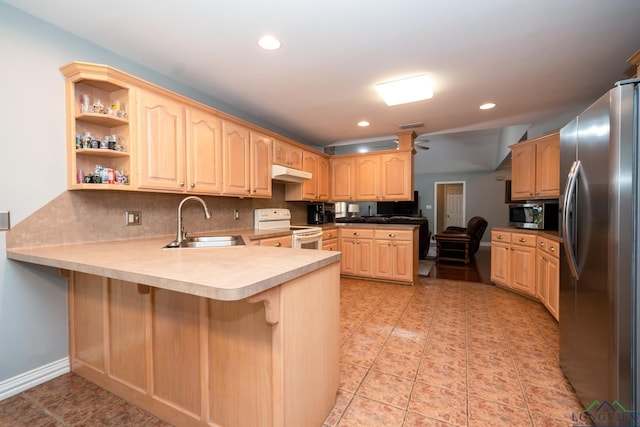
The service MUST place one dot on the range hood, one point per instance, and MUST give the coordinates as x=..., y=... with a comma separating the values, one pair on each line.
x=285, y=174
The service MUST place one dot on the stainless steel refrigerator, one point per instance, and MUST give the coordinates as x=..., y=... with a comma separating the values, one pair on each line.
x=599, y=210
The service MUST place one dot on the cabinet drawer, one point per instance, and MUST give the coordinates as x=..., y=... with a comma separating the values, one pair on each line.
x=542, y=244
x=362, y=233
x=553, y=248
x=523, y=239
x=333, y=246
x=329, y=234
x=282, y=241
x=394, y=234
x=500, y=236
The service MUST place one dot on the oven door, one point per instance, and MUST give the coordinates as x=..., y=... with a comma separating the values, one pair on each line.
x=307, y=240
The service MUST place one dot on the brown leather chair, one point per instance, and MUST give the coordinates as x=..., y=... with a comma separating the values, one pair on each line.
x=458, y=243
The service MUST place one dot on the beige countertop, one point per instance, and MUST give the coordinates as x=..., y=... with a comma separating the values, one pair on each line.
x=228, y=274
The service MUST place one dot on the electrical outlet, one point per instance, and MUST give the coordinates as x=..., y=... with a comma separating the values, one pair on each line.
x=236, y=214
x=4, y=221
x=133, y=217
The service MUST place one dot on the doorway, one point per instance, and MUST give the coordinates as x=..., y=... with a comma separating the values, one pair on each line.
x=450, y=205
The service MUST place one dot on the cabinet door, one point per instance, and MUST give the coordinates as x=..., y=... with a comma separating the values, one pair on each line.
x=310, y=164
x=364, y=257
x=500, y=262
x=542, y=285
x=348, y=261
x=286, y=154
x=342, y=179
x=523, y=269
x=383, y=259
x=161, y=142
x=523, y=168
x=553, y=282
x=548, y=167
x=281, y=153
x=396, y=176
x=261, y=160
x=204, y=152
x=403, y=260
x=367, y=178
x=322, y=181
x=236, y=164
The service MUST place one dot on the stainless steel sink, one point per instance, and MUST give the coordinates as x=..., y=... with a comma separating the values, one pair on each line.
x=208, y=242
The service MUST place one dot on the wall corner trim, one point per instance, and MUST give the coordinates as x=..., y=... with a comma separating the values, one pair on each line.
x=34, y=377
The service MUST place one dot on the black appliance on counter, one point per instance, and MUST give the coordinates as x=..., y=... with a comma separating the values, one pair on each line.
x=315, y=213
x=321, y=213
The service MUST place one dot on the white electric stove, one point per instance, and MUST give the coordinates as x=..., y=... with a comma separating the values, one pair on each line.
x=302, y=237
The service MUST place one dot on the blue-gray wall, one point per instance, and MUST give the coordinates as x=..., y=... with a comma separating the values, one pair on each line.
x=484, y=196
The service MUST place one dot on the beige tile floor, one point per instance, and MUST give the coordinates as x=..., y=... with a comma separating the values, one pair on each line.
x=445, y=353
x=440, y=353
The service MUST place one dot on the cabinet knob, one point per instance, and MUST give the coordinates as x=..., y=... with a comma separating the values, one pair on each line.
x=181, y=183
x=392, y=235
x=330, y=235
x=522, y=239
x=542, y=244
x=278, y=244
x=356, y=233
x=193, y=185
x=551, y=248
x=500, y=237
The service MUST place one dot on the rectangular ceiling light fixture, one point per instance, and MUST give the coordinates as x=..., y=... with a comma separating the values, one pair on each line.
x=406, y=90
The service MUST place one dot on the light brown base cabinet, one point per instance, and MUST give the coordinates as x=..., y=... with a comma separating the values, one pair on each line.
x=380, y=253
x=527, y=263
x=269, y=360
x=548, y=275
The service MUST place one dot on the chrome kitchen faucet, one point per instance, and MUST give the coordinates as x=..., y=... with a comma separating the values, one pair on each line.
x=181, y=234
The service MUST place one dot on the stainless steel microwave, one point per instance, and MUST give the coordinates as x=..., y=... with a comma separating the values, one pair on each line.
x=534, y=216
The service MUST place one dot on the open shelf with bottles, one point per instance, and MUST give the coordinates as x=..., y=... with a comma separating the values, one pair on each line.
x=98, y=127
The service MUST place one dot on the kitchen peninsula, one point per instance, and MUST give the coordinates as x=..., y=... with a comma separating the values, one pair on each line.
x=232, y=336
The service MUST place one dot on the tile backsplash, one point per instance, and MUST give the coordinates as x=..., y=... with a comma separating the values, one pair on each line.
x=89, y=216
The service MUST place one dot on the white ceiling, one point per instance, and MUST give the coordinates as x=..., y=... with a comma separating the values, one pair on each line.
x=537, y=60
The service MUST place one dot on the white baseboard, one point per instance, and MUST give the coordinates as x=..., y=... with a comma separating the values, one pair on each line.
x=34, y=377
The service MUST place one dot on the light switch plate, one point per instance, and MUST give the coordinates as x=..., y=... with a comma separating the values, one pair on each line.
x=5, y=224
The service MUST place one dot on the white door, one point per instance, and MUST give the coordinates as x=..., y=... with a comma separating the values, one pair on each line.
x=453, y=206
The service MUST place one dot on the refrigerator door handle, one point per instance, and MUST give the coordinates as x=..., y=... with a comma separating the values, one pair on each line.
x=569, y=193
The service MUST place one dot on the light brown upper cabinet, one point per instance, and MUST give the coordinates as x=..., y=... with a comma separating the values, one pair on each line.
x=247, y=158
x=204, y=152
x=286, y=154
x=536, y=168
x=180, y=147
x=316, y=188
x=161, y=143
x=343, y=178
x=384, y=176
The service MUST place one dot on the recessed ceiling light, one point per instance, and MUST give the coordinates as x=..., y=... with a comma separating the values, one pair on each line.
x=363, y=123
x=269, y=43
x=406, y=90
x=487, y=106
